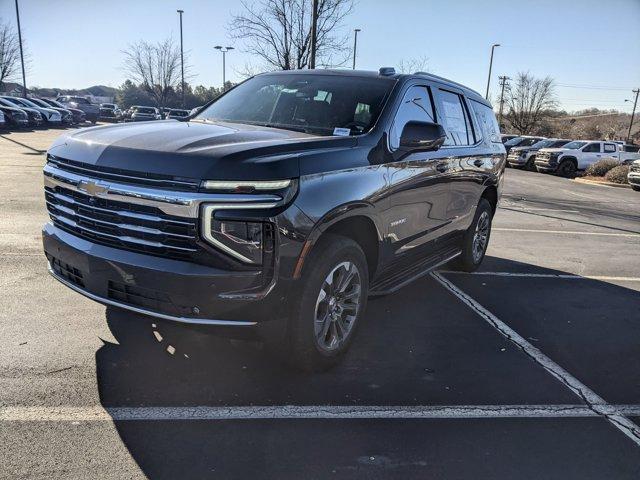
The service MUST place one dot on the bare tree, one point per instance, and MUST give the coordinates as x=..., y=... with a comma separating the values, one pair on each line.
x=9, y=53
x=279, y=32
x=415, y=64
x=156, y=67
x=528, y=101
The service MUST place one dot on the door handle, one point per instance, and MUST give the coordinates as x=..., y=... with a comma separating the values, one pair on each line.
x=478, y=162
x=442, y=167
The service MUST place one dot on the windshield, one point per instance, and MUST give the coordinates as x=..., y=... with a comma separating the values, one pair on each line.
x=543, y=144
x=146, y=110
x=108, y=105
x=80, y=100
x=513, y=141
x=53, y=103
x=28, y=103
x=320, y=104
x=575, y=145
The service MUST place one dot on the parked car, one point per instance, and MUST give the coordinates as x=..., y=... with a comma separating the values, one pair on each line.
x=177, y=114
x=522, y=141
x=277, y=211
x=78, y=116
x=506, y=137
x=3, y=122
x=629, y=148
x=66, y=115
x=144, y=114
x=195, y=110
x=578, y=155
x=524, y=157
x=50, y=117
x=91, y=111
x=110, y=112
x=34, y=117
x=14, y=117
x=633, y=176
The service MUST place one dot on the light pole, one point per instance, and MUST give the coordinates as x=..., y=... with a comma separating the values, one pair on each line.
x=503, y=83
x=314, y=34
x=24, y=77
x=180, y=12
x=224, y=51
x=633, y=113
x=355, y=45
x=490, y=67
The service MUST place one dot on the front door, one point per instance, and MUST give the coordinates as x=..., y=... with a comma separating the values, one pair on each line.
x=418, y=185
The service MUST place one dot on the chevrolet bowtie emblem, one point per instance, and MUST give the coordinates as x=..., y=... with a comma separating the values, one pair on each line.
x=91, y=187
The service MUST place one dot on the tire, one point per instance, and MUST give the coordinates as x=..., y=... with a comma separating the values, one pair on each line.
x=530, y=166
x=468, y=261
x=636, y=188
x=567, y=169
x=330, y=260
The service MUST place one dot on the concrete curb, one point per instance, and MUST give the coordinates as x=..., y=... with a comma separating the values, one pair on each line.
x=604, y=184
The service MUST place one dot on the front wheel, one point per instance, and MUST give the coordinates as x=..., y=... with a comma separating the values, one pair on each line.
x=476, y=239
x=567, y=169
x=335, y=285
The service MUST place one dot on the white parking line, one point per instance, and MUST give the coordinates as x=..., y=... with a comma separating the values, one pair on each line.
x=564, y=232
x=283, y=412
x=547, y=275
x=593, y=400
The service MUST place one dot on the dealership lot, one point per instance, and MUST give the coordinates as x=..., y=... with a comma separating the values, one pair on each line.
x=527, y=369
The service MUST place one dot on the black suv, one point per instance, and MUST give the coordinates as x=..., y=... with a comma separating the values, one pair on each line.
x=280, y=207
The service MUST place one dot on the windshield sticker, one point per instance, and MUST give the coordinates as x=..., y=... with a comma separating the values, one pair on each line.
x=343, y=132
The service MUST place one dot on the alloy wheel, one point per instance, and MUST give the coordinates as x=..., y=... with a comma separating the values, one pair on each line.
x=337, y=306
x=480, y=237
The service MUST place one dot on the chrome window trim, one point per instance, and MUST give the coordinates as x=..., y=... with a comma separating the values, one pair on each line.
x=207, y=215
x=179, y=204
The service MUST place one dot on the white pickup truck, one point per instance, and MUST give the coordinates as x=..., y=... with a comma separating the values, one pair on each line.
x=578, y=155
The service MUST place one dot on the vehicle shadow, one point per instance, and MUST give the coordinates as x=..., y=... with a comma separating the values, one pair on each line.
x=32, y=150
x=419, y=346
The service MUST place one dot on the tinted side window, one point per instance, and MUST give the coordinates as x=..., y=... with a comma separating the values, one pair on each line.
x=592, y=147
x=486, y=119
x=454, y=119
x=416, y=105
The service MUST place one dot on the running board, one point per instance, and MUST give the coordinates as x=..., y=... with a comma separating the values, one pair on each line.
x=393, y=281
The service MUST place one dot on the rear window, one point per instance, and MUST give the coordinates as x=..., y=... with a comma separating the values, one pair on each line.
x=80, y=100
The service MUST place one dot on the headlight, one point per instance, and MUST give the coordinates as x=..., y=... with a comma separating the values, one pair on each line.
x=246, y=241
x=246, y=186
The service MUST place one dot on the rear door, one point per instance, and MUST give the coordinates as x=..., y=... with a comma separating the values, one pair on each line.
x=611, y=150
x=467, y=158
x=418, y=186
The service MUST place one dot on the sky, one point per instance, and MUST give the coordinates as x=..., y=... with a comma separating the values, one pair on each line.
x=590, y=47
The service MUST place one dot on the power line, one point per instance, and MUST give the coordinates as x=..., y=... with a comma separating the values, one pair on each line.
x=590, y=87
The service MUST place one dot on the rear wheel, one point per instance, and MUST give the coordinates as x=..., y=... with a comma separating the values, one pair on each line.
x=476, y=239
x=335, y=284
x=530, y=165
x=567, y=169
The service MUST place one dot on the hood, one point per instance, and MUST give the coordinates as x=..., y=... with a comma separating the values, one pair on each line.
x=196, y=150
x=554, y=150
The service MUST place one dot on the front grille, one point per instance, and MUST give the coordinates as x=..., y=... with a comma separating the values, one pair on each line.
x=513, y=155
x=166, y=182
x=66, y=271
x=138, y=228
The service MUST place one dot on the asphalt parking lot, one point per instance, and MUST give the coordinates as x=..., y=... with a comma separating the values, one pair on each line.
x=528, y=369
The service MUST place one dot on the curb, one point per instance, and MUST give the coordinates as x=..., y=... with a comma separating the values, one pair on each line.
x=604, y=184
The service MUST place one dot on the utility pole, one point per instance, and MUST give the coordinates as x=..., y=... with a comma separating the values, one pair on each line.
x=355, y=46
x=486, y=95
x=633, y=114
x=503, y=81
x=314, y=34
x=181, y=56
x=24, y=77
x=224, y=51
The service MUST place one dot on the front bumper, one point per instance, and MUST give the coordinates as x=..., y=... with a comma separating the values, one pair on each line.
x=164, y=288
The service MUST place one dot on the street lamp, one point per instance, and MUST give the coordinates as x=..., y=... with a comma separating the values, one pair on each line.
x=24, y=78
x=490, y=66
x=180, y=12
x=355, y=45
x=224, y=51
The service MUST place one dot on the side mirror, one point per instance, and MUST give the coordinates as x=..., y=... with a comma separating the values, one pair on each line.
x=422, y=137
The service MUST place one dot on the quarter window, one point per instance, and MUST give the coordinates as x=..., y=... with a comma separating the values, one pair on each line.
x=455, y=120
x=415, y=106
